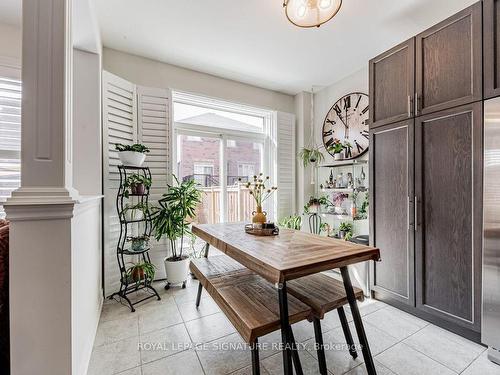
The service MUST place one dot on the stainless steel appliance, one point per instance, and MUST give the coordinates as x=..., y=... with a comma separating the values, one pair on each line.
x=491, y=230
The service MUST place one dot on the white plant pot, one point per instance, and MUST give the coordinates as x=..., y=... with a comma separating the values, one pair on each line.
x=134, y=214
x=132, y=158
x=339, y=156
x=177, y=271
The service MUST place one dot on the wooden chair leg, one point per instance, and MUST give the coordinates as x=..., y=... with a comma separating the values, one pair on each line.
x=198, y=296
x=319, y=347
x=347, y=332
x=255, y=358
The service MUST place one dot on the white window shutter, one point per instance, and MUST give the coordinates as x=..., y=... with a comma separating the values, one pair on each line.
x=119, y=116
x=285, y=163
x=153, y=125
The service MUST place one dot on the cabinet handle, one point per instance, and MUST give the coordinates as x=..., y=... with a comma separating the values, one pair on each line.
x=416, y=213
x=408, y=216
x=417, y=104
x=409, y=105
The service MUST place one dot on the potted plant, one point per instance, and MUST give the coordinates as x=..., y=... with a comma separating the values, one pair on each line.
x=260, y=193
x=171, y=220
x=345, y=231
x=291, y=222
x=315, y=203
x=141, y=271
x=338, y=149
x=139, y=243
x=311, y=155
x=131, y=155
x=133, y=212
x=136, y=184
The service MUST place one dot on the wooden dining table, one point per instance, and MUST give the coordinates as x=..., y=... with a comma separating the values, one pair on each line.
x=290, y=255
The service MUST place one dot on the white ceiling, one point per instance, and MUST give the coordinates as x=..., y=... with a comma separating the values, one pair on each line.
x=251, y=40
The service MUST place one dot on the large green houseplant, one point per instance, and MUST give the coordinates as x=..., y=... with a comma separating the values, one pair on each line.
x=177, y=206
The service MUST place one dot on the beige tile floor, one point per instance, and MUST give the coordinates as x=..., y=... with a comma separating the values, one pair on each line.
x=171, y=336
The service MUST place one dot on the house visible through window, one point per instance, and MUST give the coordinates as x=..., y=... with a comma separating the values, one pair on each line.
x=203, y=174
x=10, y=137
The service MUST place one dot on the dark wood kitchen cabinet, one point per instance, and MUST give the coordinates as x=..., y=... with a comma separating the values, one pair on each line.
x=491, y=36
x=391, y=207
x=448, y=193
x=392, y=84
x=448, y=57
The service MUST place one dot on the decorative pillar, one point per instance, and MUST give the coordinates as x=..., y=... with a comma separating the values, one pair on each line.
x=41, y=210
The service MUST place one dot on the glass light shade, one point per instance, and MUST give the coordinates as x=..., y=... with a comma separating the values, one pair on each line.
x=311, y=13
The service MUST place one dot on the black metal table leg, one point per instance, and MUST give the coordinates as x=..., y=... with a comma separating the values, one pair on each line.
x=347, y=332
x=365, y=348
x=320, y=347
x=200, y=287
x=255, y=358
x=287, y=353
x=295, y=353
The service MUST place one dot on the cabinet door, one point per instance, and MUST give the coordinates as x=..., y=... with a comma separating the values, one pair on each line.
x=392, y=85
x=449, y=62
x=391, y=211
x=491, y=35
x=448, y=189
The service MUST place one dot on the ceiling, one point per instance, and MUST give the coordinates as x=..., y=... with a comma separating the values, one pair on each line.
x=251, y=40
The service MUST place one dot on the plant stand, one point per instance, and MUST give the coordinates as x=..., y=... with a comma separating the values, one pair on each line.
x=144, y=227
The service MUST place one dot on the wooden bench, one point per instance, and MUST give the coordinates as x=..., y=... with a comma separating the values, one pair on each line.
x=323, y=294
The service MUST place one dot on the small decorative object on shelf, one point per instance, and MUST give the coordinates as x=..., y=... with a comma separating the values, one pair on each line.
x=260, y=193
x=345, y=231
x=131, y=155
x=135, y=228
x=171, y=219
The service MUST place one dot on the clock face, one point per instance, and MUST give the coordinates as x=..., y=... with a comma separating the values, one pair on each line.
x=347, y=120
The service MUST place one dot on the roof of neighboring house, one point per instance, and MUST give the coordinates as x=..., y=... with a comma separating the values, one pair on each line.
x=215, y=120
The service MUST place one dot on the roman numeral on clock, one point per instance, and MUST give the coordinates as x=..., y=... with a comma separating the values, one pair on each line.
x=347, y=102
x=365, y=110
x=337, y=110
x=359, y=147
x=357, y=103
x=365, y=134
x=329, y=142
x=327, y=133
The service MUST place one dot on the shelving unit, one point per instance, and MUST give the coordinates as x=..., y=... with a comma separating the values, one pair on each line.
x=142, y=226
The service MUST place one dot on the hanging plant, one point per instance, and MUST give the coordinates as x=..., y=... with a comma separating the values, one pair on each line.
x=311, y=156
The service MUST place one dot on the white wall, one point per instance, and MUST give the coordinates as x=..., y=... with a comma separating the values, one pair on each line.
x=10, y=44
x=151, y=73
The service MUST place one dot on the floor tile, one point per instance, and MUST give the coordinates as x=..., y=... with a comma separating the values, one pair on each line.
x=209, y=328
x=248, y=371
x=361, y=370
x=157, y=317
x=133, y=371
x=114, y=310
x=183, y=363
x=445, y=347
x=115, y=357
x=332, y=320
x=189, y=311
x=116, y=330
x=368, y=306
x=225, y=355
x=404, y=360
x=274, y=363
x=302, y=331
x=394, y=322
x=482, y=366
x=164, y=342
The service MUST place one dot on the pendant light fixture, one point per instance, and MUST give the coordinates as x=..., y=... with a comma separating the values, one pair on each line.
x=311, y=13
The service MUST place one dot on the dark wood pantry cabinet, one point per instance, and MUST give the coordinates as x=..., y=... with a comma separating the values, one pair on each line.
x=426, y=172
x=392, y=84
x=491, y=26
x=391, y=206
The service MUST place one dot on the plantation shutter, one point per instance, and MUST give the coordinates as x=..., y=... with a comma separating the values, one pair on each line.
x=154, y=132
x=285, y=163
x=119, y=116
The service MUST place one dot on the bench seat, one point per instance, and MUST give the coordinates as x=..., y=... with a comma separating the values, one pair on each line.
x=321, y=292
x=249, y=301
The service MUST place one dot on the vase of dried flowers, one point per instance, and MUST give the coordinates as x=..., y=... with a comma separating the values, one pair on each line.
x=260, y=193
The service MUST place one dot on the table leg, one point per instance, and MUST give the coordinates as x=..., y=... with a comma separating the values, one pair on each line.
x=200, y=287
x=367, y=355
x=285, y=324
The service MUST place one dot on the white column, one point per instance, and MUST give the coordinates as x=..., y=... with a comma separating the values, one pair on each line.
x=41, y=210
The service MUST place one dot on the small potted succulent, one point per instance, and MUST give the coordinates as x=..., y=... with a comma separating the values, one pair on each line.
x=131, y=155
x=136, y=184
x=141, y=271
x=139, y=243
x=345, y=231
x=337, y=148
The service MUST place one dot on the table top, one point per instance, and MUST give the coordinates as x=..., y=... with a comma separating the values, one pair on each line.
x=289, y=255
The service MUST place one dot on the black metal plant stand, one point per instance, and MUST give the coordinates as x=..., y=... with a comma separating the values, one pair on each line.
x=144, y=227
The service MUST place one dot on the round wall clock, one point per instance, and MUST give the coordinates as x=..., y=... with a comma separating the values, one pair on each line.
x=347, y=120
